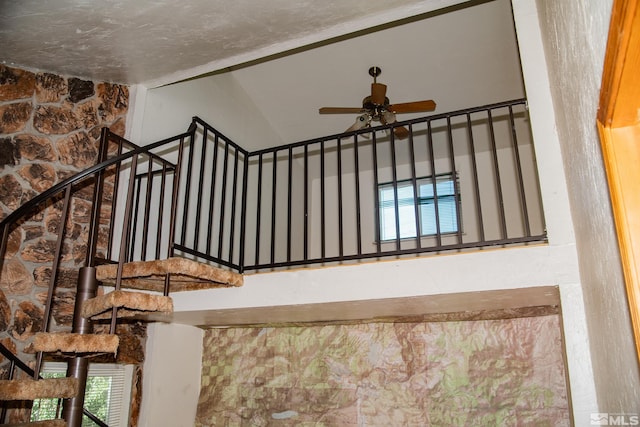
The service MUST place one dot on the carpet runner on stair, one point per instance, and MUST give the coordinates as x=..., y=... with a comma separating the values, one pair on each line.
x=47, y=423
x=129, y=304
x=74, y=343
x=184, y=275
x=30, y=389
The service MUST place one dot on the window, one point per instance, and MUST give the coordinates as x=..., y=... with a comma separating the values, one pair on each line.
x=107, y=394
x=446, y=218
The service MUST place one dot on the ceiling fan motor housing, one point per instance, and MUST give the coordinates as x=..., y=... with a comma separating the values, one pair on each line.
x=375, y=109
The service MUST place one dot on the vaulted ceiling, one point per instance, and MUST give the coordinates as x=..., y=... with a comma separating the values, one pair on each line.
x=289, y=56
x=155, y=41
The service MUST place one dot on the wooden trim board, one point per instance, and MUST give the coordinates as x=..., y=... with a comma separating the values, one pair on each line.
x=619, y=128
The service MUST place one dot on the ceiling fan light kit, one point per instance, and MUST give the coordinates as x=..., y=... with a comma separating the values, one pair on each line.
x=376, y=107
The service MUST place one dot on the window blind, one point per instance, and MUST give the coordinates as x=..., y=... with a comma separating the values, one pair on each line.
x=107, y=395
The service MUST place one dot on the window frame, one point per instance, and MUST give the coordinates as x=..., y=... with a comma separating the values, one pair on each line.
x=415, y=184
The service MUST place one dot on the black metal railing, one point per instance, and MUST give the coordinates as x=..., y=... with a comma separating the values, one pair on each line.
x=318, y=201
x=124, y=186
x=211, y=198
x=341, y=198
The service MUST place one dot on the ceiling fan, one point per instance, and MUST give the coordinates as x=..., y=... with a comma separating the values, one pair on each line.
x=376, y=107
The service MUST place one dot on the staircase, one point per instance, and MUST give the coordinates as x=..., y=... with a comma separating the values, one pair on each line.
x=125, y=304
x=112, y=285
x=195, y=211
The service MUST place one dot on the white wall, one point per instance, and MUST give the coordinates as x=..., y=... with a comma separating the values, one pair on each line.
x=557, y=207
x=219, y=100
x=163, y=112
x=171, y=375
x=522, y=267
x=574, y=36
x=442, y=57
x=591, y=295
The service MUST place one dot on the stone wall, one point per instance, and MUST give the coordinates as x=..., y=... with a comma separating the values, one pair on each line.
x=501, y=372
x=49, y=130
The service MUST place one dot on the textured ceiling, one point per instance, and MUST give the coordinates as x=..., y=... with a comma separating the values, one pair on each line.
x=286, y=58
x=158, y=42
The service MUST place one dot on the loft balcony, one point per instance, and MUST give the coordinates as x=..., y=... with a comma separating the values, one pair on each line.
x=460, y=180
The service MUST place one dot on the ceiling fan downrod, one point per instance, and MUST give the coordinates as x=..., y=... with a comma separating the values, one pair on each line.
x=375, y=72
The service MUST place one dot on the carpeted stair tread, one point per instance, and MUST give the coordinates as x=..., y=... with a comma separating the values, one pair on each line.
x=30, y=389
x=47, y=423
x=74, y=343
x=129, y=304
x=184, y=275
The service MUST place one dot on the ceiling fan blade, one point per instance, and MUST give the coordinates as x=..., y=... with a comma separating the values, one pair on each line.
x=413, y=107
x=378, y=93
x=340, y=110
x=401, y=132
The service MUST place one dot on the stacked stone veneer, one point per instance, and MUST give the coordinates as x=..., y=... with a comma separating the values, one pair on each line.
x=49, y=130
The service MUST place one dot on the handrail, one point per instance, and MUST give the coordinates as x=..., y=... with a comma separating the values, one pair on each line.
x=58, y=188
x=374, y=129
x=210, y=128
x=15, y=359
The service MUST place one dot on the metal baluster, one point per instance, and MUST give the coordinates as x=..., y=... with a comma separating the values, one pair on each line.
x=454, y=177
x=223, y=197
x=233, y=205
x=258, y=209
x=214, y=180
x=523, y=196
x=203, y=156
x=496, y=171
x=416, y=190
x=476, y=182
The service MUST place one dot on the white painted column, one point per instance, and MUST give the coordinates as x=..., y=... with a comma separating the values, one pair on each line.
x=171, y=375
x=556, y=205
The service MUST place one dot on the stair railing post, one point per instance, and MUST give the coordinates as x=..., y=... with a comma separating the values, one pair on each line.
x=87, y=286
x=243, y=213
x=175, y=194
x=78, y=367
x=94, y=224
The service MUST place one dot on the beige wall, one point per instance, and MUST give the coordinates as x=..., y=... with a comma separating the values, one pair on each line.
x=490, y=206
x=283, y=224
x=574, y=36
x=172, y=383
x=504, y=269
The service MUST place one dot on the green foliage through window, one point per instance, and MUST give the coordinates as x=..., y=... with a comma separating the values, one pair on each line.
x=103, y=395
